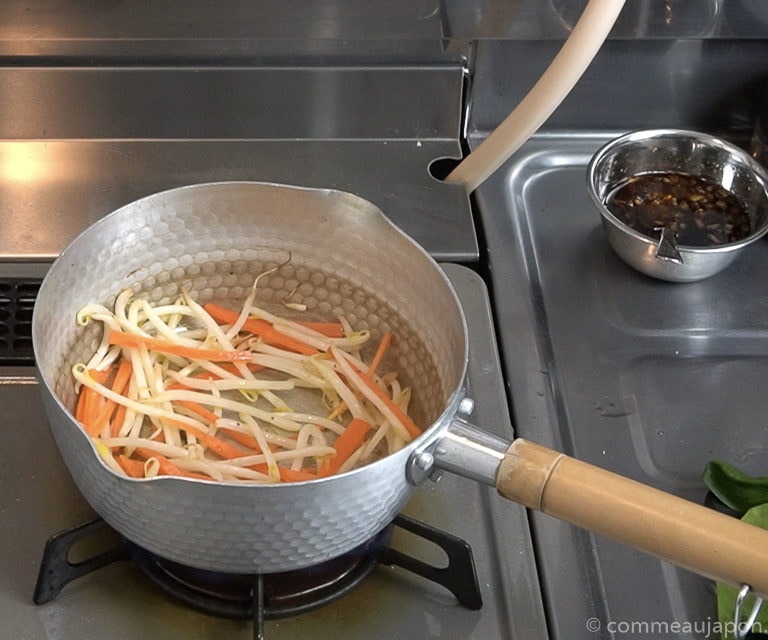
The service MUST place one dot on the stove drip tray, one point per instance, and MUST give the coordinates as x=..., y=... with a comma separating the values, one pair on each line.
x=261, y=597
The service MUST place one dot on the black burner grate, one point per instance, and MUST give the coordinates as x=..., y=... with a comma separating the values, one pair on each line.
x=263, y=597
x=17, y=299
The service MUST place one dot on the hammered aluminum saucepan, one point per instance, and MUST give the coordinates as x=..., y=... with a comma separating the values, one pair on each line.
x=346, y=258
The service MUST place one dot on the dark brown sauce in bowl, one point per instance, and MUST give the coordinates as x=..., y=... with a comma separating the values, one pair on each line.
x=700, y=213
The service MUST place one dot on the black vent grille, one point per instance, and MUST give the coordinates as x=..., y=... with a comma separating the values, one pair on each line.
x=17, y=299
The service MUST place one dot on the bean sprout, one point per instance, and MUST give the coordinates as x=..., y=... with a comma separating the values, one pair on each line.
x=205, y=393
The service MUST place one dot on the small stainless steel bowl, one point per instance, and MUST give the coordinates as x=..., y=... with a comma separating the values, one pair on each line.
x=686, y=152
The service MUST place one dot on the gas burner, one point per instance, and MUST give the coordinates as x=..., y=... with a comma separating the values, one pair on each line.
x=277, y=594
x=261, y=597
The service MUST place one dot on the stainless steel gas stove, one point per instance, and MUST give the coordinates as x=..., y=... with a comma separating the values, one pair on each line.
x=119, y=600
x=108, y=108
x=104, y=103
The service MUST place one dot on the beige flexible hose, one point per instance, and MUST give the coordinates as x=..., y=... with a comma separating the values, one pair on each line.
x=564, y=71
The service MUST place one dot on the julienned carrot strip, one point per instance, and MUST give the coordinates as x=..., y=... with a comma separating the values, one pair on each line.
x=260, y=328
x=242, y=438
x=90, y=411
x=375, y=362
x=220, y=314
x=119, y=419
x=234, y=434
x=119, y=384
x=401, y=415
x=379, y=355
x=217, y=445
x=82, y=400
x=199, y=409
x=328, y=329
x=95, y=405
x=105, y=409
x=123, y=339
x=231, y=368
x=348, y=442
x=324, y=468
x=123, y=376
x=223, y=449
x=122, y=382
x=269, y=334
x=133, y=468
x=288, y=475
x=166, y=467
x=85, y=398
x=93, y=402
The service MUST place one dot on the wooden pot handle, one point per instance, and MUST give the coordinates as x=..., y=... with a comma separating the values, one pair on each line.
x=689, y=535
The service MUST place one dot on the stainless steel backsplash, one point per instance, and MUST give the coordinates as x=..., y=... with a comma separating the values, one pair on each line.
x=697, y=63
x=273, y=32
x=713, y=84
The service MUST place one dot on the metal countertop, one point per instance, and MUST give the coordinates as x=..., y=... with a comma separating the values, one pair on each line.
x=645, y=378
x=77, y=143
